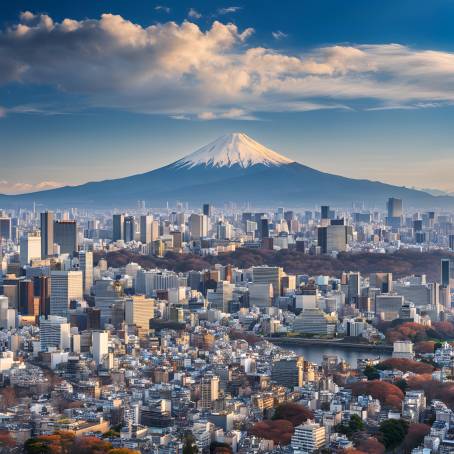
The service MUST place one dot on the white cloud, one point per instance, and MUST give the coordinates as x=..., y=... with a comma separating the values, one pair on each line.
x=7, y=187
x=183, y=71
x=194, y=14
x=229, y=10
x=163, y=8
x=279, y=35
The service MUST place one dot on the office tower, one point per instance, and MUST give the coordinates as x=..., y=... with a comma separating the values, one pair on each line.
x=447, y=272
x=100, y=345
x=354, y=287
x=129, y=229
x=146, y=225
x=42, y=290
x=206, y=209
x=332, y=238
x=86, y=266
x=308, y=438
x=451, y=242
x=118, y=227
x=177, y=237
x=387, y=307
x=209, y=391
x=382, y=281
x=324, y=212
x=65, y=235
x=220, y=298
x=26, y=298
x=268, y=275
x=288, y=372
x=139, y=310
x=198, y=226
x=5, y=228
x=66, y=286
x=394, y=207
x=7, y=315
x=264, y=231
x=47, y=234
x=54, y=333
x=30, y=247
x=417, y=225
x=224, y=230
x=395, y=211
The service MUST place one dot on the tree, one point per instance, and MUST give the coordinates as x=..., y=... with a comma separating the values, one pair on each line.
x=278, y=430
x=415, y=436
x=371, y=446
x=189, y=446
x=371, y=373
x=295, y=413
x=392, y=432
x=355, y=424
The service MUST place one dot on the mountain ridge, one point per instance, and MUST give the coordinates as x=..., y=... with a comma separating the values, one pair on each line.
x=233, y=168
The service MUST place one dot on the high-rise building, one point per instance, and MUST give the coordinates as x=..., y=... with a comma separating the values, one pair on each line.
x=206, y=209
x=139, y=310
x=146, y=227
x=332, y=238
x=395, y=212
x=100, y=345
x=447, y=272
x=209, y=391
x=118, y=227
x=65, y=235
x=268, y=275
x=198, y=226
x=47, y=234
x=324, y=212
x=54, y=332
x=382, y=281
x=66, y=286
x=86, y=266
x=288, y=372
x=30, y=247
x=26, y=298
x=5, y=228
x=129, y=229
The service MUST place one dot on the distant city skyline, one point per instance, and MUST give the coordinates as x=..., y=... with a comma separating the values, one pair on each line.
x=103, y=90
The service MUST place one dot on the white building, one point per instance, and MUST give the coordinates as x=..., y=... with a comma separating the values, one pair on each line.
x=100, y=345
x=30, y=247
x=308, y=438
x=54, y=333
x=403, y=349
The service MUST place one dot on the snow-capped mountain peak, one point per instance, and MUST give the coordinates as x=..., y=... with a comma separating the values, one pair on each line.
x=233, y=149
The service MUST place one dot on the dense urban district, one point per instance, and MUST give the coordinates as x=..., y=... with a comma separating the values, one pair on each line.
x=183, y=330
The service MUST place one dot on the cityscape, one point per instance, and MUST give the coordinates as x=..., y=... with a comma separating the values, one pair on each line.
x=226, y=228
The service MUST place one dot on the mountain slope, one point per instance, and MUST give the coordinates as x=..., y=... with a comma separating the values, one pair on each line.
x=233, y=168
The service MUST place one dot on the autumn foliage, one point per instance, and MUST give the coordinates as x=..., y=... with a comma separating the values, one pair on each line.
x=388, y=394
x=65, y=442
x=433, y=388
x=406, y=365
x=415, y=436
x=425, y=347
x=295, y=413
x=278, y=430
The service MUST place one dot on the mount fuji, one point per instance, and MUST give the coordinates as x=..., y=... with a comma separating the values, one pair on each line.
x=233, y=168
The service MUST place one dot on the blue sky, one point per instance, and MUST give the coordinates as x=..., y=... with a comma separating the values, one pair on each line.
x=98, y=89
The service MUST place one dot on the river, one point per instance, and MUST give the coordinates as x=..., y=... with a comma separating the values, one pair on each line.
x=314, y=353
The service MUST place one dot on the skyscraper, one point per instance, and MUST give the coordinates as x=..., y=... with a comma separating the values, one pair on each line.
x=54, y=332
x=86, y=266
x=30, y=247
x=65, y=235
x=47, y=234
x=395, y=212
x=146, y=226
x=332, y=238
x=118, y=227
x=268, y=275
x=129, y=229
x=66, y=286
x=206, y=209
x=5, y=228
x=100, y=345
